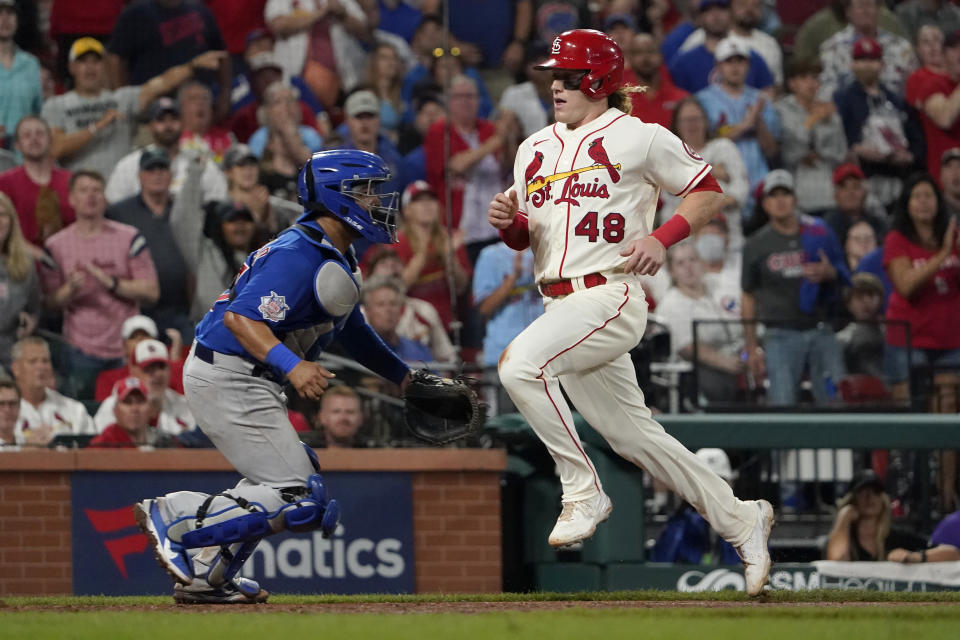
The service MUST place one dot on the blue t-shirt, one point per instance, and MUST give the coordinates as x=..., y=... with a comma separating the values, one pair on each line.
x=22, y=93
x=723, y=110
x=693, y=70
x=675, y=39
x=280, y=285
x=524, y=305
x=402, y=20
x=308, y=135
x=486, y=23
x=873, y=263
x=415, y=165
x=412, y=351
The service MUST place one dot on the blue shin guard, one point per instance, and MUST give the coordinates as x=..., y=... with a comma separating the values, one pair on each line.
x=311, y=512
x=239, y=536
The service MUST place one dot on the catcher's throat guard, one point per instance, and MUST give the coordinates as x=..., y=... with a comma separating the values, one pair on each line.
x=440, y=410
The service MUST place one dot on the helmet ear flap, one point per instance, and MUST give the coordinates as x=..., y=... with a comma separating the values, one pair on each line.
x=311, y=184
x=609, y=78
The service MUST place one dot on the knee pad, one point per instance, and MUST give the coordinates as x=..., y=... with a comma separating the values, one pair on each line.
x=313, y=511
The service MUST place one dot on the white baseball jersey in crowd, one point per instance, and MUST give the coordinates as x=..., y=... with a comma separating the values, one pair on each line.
x=587, y=193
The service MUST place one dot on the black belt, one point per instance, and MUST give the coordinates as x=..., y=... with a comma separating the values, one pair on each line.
x=259, y=371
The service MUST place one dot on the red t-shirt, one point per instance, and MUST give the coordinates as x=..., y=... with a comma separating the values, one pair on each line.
x=113, y=437
x=432, y=283
x=87, y=17
x=921, y=85
x=24, y=193
x=433, y=150
x=658, y=107
x=237, y=18
x=932, y=310
x=109, y=377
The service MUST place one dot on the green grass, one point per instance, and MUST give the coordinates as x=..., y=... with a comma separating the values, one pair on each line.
x=94, y=618
x=821, y=595
x=780, y=623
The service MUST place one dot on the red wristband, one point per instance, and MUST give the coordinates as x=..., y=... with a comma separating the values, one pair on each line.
x=517, y=235
x=672, y=231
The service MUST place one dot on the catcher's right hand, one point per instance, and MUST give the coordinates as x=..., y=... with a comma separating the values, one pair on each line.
x=440, y=410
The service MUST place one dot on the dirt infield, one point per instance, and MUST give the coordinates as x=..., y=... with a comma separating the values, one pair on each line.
x=403, y=608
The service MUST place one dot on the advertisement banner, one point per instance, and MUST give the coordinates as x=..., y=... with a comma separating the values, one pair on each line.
x=874, y=576
x=371, y=551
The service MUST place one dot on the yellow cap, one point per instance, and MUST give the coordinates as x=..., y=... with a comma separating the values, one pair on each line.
x=83, y=46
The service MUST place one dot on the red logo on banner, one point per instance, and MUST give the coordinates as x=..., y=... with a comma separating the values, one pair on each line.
x=117, y=520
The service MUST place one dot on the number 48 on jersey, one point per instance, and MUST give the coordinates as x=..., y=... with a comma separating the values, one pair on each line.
x=611, y=228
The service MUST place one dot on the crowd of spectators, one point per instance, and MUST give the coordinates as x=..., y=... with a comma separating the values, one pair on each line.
x=148, y=146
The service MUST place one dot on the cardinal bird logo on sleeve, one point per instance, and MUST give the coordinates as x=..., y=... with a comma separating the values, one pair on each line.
x=599, y=155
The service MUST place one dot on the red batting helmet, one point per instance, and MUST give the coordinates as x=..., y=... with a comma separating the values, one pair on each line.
x=592, y=51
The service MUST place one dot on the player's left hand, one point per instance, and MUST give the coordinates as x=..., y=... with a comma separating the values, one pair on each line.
x=309, y=379
x=646, y=256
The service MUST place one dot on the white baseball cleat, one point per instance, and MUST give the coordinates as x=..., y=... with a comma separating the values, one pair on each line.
x=754, y=552
x=579, y=519
x=168, y=554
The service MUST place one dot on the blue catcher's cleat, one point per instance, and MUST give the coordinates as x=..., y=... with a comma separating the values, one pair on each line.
x=239, y=591
x=169, y=555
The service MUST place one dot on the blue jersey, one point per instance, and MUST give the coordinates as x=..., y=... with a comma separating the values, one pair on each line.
x=283, y=285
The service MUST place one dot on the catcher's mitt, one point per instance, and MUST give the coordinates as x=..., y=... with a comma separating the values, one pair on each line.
x=440, y=410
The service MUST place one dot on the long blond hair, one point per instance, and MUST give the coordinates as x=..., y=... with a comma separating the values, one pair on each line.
x=14, y=249
x=373, y=75
x=883, y=526
x=622, y=98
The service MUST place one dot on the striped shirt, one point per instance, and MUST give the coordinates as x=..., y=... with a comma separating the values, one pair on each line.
x=92, y=320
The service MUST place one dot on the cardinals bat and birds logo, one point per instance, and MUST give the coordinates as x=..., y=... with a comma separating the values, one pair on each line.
x=539, y=187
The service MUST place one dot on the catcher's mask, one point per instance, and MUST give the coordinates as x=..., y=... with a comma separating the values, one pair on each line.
x=348, y=183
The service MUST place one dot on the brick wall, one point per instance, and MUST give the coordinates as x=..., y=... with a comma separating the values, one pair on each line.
x=456, y=503
x=35, y=533
x=456, y=528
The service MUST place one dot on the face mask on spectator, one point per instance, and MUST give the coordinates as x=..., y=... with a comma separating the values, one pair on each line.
x=711, y=247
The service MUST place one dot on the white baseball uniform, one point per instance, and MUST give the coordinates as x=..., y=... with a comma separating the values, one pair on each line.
x=586, y=194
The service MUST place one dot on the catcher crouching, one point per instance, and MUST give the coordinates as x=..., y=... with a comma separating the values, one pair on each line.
x=290, y=300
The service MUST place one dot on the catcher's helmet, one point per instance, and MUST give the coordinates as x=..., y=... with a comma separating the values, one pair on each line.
x=333, y=181
x=592, y=51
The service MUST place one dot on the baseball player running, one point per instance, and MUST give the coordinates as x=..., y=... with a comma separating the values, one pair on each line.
x=584, y=196
x=291, y=298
